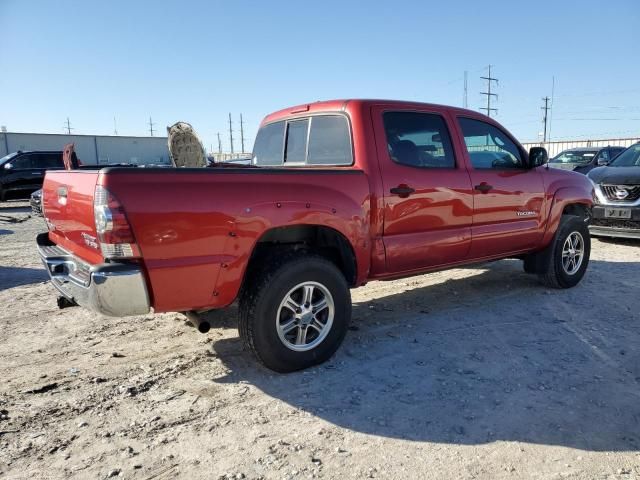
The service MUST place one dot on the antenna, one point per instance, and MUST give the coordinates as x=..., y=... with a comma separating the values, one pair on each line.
x=241, y=133
x=230, y=134
x=68, y=126
x=151, y=124
x=488, y=93
x=464, y=98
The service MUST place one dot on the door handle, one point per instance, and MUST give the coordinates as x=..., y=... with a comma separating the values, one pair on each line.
x=402, y=191
x=484, y=187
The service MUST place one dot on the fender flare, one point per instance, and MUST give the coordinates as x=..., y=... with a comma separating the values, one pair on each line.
x=563, y=197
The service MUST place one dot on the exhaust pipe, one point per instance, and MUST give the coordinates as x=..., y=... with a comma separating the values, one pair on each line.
x=198, y=322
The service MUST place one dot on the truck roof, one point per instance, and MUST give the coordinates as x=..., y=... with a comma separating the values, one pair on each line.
x=341, y=105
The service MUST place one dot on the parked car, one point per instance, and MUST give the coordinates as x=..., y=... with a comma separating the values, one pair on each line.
x=616, y=212
x=340, y=193
x=36, y=203
x=583, y=159
x=23, y=172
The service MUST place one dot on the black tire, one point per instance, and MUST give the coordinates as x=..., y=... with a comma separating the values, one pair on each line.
x=260, y=303
x=554, y=274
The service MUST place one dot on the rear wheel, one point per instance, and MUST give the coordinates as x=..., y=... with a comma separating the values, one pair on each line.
x=295, y=315
x=567, y=257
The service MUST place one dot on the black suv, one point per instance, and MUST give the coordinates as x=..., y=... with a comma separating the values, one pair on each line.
x=585, y=159
x=23, y=172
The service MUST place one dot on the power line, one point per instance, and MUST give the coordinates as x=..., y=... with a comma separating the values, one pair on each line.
x=545, y=108
x=68, y=126
x=151, y=124
x=488, y=93
x=230, y=133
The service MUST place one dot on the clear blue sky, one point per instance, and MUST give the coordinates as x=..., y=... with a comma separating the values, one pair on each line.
x=196, y=61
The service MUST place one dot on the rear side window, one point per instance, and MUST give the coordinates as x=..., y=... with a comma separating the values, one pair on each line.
x=296, y=147
x=418, y=140
x=316, y=140
x=268, y=146
x=49, y=160
x=329, y=142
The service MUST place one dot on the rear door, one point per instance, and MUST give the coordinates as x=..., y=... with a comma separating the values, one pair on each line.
x=508, y=196
x=23, y=175
x=427, y=190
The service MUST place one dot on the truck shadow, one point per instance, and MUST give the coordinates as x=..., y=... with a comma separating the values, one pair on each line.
x=14, y=276
x=493, y=356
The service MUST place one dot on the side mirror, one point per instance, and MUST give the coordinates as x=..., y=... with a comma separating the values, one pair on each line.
x=538, y=156
x=602, y=162
x=8, y=166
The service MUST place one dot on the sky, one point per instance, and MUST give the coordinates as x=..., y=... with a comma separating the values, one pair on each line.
x=198, y=61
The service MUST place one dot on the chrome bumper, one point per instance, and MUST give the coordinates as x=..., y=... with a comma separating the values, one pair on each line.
x=113, y=289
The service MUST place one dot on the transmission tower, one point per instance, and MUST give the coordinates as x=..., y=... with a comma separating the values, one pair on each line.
x=151, y=124
x=545, y=109
x=488, y=93
x=68, y=126
x=219, y=143
x=241, y=133
x=230, y=134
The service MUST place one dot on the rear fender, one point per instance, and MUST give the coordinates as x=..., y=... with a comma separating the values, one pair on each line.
x=256, y=221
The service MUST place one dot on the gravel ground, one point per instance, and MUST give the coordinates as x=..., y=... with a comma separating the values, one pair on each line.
x=474, y=373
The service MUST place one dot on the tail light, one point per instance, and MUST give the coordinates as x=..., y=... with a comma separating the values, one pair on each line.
x=113, y=229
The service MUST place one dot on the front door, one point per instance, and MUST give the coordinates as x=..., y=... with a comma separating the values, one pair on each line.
x=508, y=196
x=427, y=190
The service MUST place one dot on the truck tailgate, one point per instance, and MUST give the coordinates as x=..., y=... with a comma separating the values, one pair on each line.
x=67, y=199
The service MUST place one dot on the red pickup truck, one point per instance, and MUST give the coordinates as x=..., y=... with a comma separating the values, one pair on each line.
x=338, y=193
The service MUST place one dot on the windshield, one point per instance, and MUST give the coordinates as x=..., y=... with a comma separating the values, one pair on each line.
x=8, y=157
x=629, y=158
x=573, y=156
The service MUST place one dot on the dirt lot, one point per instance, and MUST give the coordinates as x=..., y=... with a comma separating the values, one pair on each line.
x=475, y=373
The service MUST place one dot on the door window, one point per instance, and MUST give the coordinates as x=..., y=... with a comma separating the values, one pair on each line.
x=418, y=140
x=22, y=162
x=489, y=147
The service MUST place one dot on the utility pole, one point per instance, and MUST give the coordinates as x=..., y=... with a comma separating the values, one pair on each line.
x=115, y=128
x=544, y=118
x=241, y=133
x=488, y=93
x=464, y=98
x=219, y=144
x=230, y=134
x=68, y=126
x=151, y=124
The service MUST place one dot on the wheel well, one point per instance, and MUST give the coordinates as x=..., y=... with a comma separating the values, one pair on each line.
x=577, y=209
x=321, y=240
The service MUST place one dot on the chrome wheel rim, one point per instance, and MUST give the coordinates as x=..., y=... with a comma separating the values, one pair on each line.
x=572, y=253
x=305, y=316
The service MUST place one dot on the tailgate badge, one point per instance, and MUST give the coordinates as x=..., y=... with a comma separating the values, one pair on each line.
x=90, y=240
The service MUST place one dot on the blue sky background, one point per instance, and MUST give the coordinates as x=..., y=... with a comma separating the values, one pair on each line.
x=196, y=61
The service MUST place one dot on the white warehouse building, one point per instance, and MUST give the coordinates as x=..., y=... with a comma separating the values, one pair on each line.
x=92, y=149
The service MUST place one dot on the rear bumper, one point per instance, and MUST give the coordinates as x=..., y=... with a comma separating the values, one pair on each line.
x=612, y=227
x=113, y=289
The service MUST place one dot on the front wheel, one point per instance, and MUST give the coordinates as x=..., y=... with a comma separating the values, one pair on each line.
x=296, y=313
x=568, y=255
